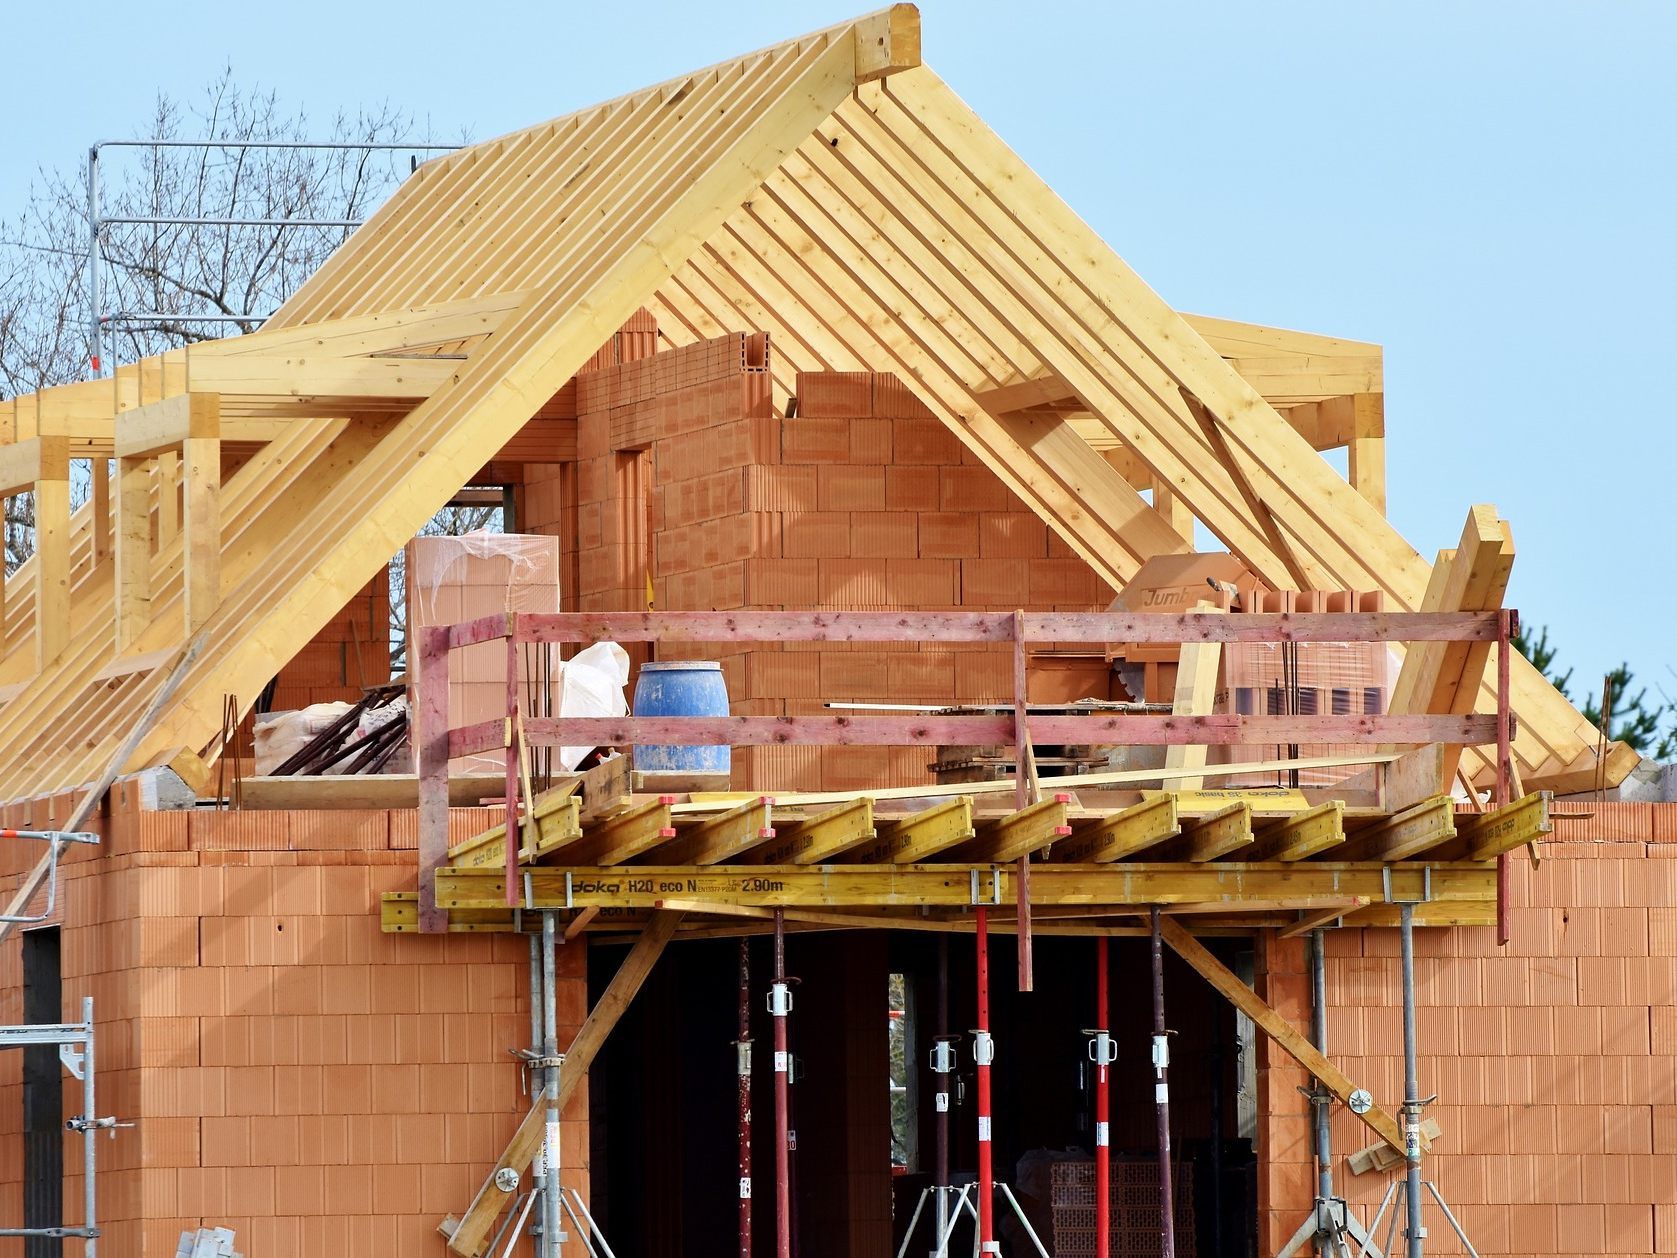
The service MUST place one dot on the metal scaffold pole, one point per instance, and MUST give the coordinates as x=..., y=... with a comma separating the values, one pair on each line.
x=742, y=1049
x=984, y=1053
x=1414, y=1230
x=943, y=1065
x=780, y=1007
x=552, y=1225
x=1103, y=1052
x=1161, y=1093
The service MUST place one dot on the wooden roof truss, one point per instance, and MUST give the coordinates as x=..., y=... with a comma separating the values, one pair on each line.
x=831, y=191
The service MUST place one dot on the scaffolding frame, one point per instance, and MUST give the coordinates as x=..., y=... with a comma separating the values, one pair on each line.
x=68, y=1036
x=96, y=224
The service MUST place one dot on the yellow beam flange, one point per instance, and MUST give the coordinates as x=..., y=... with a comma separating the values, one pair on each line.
x=818, y=839
x=1136, y=828
x=906, y=840
x=1301, y=835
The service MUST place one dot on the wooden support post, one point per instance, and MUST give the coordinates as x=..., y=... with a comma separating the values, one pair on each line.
x=1176, y=513
x=1025, y=792
x=1366, y=451
x=470, y=1236
x=431, y=744
x=1196, y=695
x=1274, y=1025
x=168, y=496
x=101, y=478
x=52, y=551
x=133, y=550
x=201, y=475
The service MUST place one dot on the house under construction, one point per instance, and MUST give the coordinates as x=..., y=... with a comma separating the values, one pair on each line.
x=1068, y=890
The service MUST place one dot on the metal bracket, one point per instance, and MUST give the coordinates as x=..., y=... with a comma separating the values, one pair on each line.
x=995, y=888
x=1386, y=886
x=1103, y=1049
x=73, y=1059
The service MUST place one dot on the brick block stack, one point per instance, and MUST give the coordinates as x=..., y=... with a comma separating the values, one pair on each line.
x=1554, y=1059
x=297, y=1075
x=862, y=501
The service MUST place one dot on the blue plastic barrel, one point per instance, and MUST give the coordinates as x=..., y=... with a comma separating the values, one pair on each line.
x=682, y=688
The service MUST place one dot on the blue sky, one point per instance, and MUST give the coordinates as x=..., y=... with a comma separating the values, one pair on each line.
x=1486, y=189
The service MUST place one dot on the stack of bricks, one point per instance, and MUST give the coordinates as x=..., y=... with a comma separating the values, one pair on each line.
x=1554, y=1059
x=862, y=501
x=297, y=1075
x=350, y=652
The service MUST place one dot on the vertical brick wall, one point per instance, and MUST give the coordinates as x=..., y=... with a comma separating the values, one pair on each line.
x=1554, y=1059
x=863, y=501
x=296, y=1074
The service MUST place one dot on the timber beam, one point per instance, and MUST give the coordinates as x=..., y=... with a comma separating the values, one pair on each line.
x=1275, y=1026
x=1301, y=884
x=723, y=836
x=817, y=839
x=1486, y=836
x=627, y=835
x=1002, y=840
x=1407, y=834
x=1122, y=834
x=1214, y=835
x=906, y=840
x=1304, y=834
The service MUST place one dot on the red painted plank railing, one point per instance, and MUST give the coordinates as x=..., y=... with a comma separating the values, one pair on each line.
x=437, y=743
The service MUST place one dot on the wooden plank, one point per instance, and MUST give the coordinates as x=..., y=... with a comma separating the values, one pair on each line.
x=471, y=1235
x=383, y=790
x=818, y=839
x=1302, y=835
x=1169, y=628
x=1134, y=829
x=1275, y=1026
x=1413, y=831
x=1116, y=778
x=1196, y=695
x=905, y=840
x=1222, y=729
x=1323, y=917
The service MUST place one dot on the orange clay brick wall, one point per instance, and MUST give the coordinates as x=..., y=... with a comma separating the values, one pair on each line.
x=296, y=1074
x=863, y=501
x=1554, y=1059
x=351, y=651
